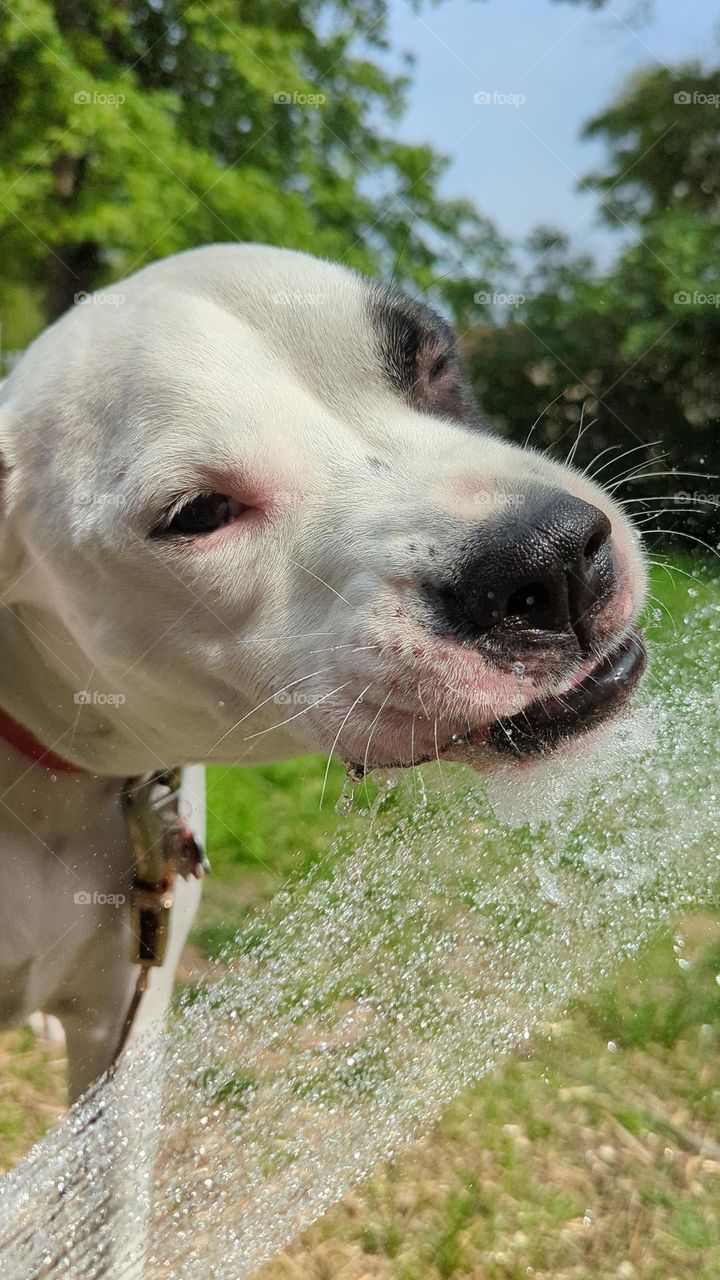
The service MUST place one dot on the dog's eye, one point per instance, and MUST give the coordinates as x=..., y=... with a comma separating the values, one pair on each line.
x=200, y=514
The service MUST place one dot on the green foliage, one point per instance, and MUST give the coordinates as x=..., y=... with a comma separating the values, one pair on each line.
x=133, y=130
x=633, y=349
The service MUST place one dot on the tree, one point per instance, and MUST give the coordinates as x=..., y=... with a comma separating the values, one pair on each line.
x=635, y=347
x=130, y=130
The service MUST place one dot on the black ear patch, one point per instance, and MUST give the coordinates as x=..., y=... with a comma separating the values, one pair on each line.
x=419, y=356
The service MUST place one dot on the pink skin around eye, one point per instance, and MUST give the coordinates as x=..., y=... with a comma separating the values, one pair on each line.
x=262, y=502
x=268, y=495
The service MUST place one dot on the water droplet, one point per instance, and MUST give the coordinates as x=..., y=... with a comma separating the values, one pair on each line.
x=346, y=800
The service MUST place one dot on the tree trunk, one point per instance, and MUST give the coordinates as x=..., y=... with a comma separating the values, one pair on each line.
x=72, y=270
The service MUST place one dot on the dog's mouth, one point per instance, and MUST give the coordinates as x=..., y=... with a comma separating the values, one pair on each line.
x=546, y=723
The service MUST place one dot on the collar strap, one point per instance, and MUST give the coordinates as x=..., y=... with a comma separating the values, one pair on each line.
x=27, y=744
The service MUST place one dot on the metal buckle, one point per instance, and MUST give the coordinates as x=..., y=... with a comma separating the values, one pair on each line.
x=163, y=847
x=150, y=924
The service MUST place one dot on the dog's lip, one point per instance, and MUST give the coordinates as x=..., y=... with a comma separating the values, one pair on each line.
x=545, y=723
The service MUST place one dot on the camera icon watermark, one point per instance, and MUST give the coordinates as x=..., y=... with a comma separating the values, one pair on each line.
x=484, y=298
x=495, y=98
x=86, y=898
x=686, y=298
x=495, y=503
x=94, y=698
x=88, y=499
x=84, y=98
x=104, y=299
x=696, y=98
x=696, y=499
x=286, y=99
x=293, y=698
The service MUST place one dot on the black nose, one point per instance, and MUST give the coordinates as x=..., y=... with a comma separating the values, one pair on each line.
x=542, y=568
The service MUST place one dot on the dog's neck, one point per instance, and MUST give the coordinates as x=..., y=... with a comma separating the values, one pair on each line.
x=43, y=681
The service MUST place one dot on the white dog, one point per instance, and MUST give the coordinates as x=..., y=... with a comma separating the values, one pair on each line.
x=248, y=511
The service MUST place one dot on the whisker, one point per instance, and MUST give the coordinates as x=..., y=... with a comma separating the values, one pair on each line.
x=264, y=702
x=302, y=712
x=506, y=731
x=659, y=604
x=370, y=737
x=649, y=475
x=675, y=568
x=626, y=454
x=586, y=470
x=337, y=736
x=437, y=757
x=412, y=758
x=639, y=519
x=541, y=416
x=331, y=648
x=631, y=474
x=578, y=437
x=583, y=431
x=288, y=635
x=656, y=497
x=680, y=533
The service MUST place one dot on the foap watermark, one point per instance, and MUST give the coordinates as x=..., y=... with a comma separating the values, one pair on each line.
x=86, y=98
x=88, y=898
x=496, y=98
x=94, y=698
x=500, y=502
x=696, y=98
x=101, y=500
x=694, y=298
x=295, y=698
x=104, y=299
x=696, y=499
x=483, y=298
x=285, y=99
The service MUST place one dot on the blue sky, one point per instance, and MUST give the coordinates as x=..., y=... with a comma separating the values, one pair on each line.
x=520, y=164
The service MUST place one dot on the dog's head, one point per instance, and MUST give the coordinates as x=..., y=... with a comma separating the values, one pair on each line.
x=247, y=494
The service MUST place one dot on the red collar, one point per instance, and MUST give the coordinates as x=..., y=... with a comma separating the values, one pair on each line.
x=28, y=745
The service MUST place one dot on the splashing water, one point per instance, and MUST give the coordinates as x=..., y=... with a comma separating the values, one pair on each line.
x=358, y=1004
